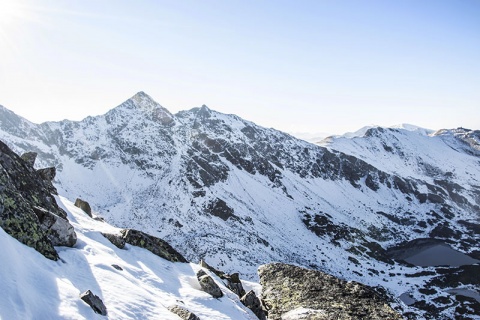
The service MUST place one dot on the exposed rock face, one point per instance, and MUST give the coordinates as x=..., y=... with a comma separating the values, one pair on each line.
x=140, y=239
x=209, y=285
x=94, y=302
x=84, y=205
x=24, y=197
x=59, y=231
x=251, y=301
x=156, y=245
x=183, y=313
x=29, y=158
x=287, y=287
x=47, y=174
x=117, y=240
x=234, y=284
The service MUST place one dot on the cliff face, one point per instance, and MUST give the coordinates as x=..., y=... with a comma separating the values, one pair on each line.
x=28, y=210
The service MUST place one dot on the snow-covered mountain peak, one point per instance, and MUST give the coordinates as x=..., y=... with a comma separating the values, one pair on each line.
x=141, y=104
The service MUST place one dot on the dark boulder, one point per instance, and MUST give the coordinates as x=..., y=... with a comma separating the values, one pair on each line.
x=94, y=302
x=156, y=245
x=141, y=239
x=251, y=301
x=288, y=289
x=183, y=313
x=234, y=284
x=84, y=205
x=209, y=285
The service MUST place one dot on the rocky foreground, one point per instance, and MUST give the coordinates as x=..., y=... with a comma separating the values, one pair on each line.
x=291, y=292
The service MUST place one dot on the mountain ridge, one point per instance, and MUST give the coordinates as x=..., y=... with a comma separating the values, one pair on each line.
x=223, y=189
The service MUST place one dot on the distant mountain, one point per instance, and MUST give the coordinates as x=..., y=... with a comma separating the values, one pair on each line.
x=223, y=189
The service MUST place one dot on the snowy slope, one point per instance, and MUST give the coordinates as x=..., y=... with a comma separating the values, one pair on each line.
x=415, y=152
x=37, y=288
x=223, y=189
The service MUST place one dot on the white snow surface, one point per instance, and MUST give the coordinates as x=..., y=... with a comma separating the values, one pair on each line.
x=34, y=287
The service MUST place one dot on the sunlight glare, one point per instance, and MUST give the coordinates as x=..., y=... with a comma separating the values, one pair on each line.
x=11, y=11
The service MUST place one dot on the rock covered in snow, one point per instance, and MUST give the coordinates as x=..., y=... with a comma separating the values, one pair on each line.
x=287, y=287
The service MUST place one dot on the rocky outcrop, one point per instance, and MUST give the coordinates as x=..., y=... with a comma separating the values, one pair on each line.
x=94, y=302
x=183, y=313
x=48, y=174
x=59, y=231
x=251, y=301
x=141, y=239
x=117, y=240
x=29, y=158
x=234, y=284
x=287, y=288
x=84, y=205
x=209, y=285
x=28, y=211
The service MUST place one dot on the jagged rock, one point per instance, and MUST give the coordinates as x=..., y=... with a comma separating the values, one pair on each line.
x=47, y=174
x=287, y=287
x=219, y=273
x=94, y=302
x=117, y=240
x=29, y=158
x=140, y=239
x=251, y=301
x=59, y=231
x=84, y=205
x=183, y=313
x=209, y=285
x=234, y=284
x=23, y=193
x=232, y=280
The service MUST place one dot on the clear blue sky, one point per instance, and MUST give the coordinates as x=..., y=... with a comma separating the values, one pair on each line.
x=298, y=66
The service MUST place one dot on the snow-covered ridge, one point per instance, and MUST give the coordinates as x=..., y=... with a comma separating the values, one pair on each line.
x=221, y=188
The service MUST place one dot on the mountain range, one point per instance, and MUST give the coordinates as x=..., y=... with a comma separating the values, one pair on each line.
x=361, y=207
